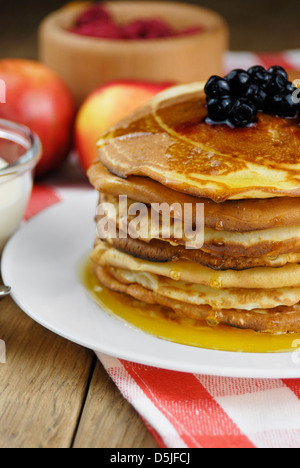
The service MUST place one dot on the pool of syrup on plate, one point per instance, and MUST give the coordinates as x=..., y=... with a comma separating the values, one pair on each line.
x=163, y=323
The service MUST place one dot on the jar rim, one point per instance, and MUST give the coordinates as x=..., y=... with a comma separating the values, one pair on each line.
x=22, y=135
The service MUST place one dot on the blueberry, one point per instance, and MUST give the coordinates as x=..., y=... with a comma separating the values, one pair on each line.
x=275, y=85
x=290, y=87
x=277, y=70
x=259, y=75
x=242, y=113
x=218, y=109
x=256, y=95
x=257, y=69
x=239, y=81
x=283, y=105
x=216, y=87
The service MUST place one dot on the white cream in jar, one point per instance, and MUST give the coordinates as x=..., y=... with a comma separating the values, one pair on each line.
x=14, y=196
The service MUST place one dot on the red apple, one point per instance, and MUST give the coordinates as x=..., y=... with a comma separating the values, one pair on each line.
x=38, y=98
x=106, y=106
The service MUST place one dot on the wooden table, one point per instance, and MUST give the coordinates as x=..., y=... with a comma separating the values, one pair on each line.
x=56, y=394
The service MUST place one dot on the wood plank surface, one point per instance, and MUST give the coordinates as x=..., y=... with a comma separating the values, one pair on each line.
x=108, y=420
x=56, y=394
x=42, y=385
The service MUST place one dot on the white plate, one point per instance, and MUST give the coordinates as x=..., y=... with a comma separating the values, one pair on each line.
x=41, y=265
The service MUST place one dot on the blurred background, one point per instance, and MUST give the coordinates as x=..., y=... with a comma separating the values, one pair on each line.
x=257, y=25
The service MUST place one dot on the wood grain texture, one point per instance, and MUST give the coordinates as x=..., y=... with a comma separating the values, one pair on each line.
x=108, y=420
x=53, y=392
x=42, y=385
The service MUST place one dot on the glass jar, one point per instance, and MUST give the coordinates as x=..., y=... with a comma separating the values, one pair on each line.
x=20, y=151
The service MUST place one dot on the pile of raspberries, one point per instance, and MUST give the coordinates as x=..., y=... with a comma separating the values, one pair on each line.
x=97, y=22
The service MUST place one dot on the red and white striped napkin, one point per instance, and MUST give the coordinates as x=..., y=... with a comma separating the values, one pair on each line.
x=190, y=410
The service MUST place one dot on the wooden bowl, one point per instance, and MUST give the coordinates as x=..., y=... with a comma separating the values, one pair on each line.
x=85, y=63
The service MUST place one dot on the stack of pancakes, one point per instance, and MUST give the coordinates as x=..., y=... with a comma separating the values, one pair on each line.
x=246, y=274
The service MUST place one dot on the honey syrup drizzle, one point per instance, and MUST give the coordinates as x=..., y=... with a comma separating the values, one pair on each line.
x=164, y=324
x=208, y=160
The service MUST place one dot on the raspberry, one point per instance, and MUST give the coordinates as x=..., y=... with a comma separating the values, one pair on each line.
x=96, y=21
x=147, y=29
x=94, y=13
x=99, y=29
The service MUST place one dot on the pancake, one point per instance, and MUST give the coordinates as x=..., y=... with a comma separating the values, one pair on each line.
x=159, y=251
x=190, y=272
x=246, y=273
x=279, y=320
x=169, y=141
x=274, y=241
x=240, y=215
x=238, y=298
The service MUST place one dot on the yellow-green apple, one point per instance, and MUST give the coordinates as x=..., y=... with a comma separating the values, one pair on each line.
x=106, y=106
x=38, y=98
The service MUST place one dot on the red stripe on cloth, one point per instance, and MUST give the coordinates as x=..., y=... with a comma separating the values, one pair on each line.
x=294, y=385
x=268, y=60
x=194, y=413
x=42, y=197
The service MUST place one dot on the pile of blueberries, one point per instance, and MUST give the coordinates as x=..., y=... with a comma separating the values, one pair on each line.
x=237, y=98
